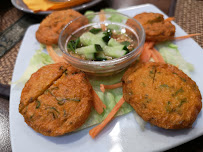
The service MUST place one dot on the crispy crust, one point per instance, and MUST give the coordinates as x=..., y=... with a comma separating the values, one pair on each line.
x=62, y=106
x=51, y=26
x=156, y=28
x=162, y=95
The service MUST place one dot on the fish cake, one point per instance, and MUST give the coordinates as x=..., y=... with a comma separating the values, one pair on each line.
x=162, y=95
x=60, y=101
x=156, y=28
x=50, y=28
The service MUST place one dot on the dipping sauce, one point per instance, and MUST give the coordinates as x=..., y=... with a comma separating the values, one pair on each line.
x=96, y=45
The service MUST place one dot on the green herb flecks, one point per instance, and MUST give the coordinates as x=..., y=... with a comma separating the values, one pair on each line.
x=107, y=36
x=126, y=43
x=164, y=86
x=53, y=108
x=168, y=107
x=125, y=48
x=54, y=115
x=73, y=44
x=37, y=104
x=183, y=79
x=177, y=92
x=143, y=84
x=182, y=102
x=95, y=30
x=62, y=101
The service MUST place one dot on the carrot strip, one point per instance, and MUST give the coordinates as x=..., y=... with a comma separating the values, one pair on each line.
x=99, y=106
x=158, y=56
x=154, y=56
x=55, y=57
x=102, y=18
x=170, y=19
x=186, y=36
x=96, y=130
x=112, y=86
x=146, y=53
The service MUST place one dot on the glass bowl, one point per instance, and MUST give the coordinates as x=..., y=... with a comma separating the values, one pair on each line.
x=118, y=23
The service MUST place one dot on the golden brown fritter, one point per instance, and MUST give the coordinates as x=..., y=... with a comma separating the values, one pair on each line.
x=162, y=95
x=60, y=107
x=156, y=28
x=51, y=26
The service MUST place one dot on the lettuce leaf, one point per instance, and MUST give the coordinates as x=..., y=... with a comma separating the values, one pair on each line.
x=171, y=55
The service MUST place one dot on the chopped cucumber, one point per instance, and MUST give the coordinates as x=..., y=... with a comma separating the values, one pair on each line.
x=115, y=52
x=86, y=49
x=91, y=39
x=100, y=56
x=113, y=42
x=89, y=56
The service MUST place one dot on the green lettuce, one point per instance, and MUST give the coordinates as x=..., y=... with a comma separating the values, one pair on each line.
x=118, y=18
x=171, y=55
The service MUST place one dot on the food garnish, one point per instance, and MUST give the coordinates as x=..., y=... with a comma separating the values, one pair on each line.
x=112, y=86
x=96, y=130
x=99, y=106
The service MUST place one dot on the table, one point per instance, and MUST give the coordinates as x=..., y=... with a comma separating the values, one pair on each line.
x=10, y=18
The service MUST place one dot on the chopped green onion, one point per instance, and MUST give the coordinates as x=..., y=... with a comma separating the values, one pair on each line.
x=107, y=36
x=126, y=43
x=38, y=104
x=71, y=45
x=125, y=48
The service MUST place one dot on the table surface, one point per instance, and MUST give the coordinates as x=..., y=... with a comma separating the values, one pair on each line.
x=10, y=17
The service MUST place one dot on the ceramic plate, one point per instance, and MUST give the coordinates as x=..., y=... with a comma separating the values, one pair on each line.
x=123, y=133
x=19, y=4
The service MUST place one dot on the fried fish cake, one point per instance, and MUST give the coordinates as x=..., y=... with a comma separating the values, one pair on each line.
x=156, y=28
x=51, y=26
x=61, y=105
x=162, y=95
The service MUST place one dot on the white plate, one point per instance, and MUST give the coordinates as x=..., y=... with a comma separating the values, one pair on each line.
x=123, y=133
x=19, y=4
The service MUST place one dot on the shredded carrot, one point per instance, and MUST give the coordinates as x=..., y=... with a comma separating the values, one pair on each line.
x=186, y=36
x=56, y=58
x=96, y=130
x=154, y=56
x=112, y=86
x=146, y=53
x=99, y=106
x=102, y=18
x=170, y=19
x=157, y=56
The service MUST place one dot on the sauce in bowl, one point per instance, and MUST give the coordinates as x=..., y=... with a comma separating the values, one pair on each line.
x=91, y=43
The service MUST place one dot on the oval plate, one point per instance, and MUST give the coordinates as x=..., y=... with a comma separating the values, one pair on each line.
x=19, y=4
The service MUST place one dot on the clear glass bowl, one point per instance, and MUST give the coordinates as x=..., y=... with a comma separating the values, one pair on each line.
x=102, y=68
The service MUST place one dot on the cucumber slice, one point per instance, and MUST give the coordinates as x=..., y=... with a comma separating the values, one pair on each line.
x=89, y=56
x=115, y=52
x=86, y=50
x=100, y=56
x=91, y=39
x=113, y=42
